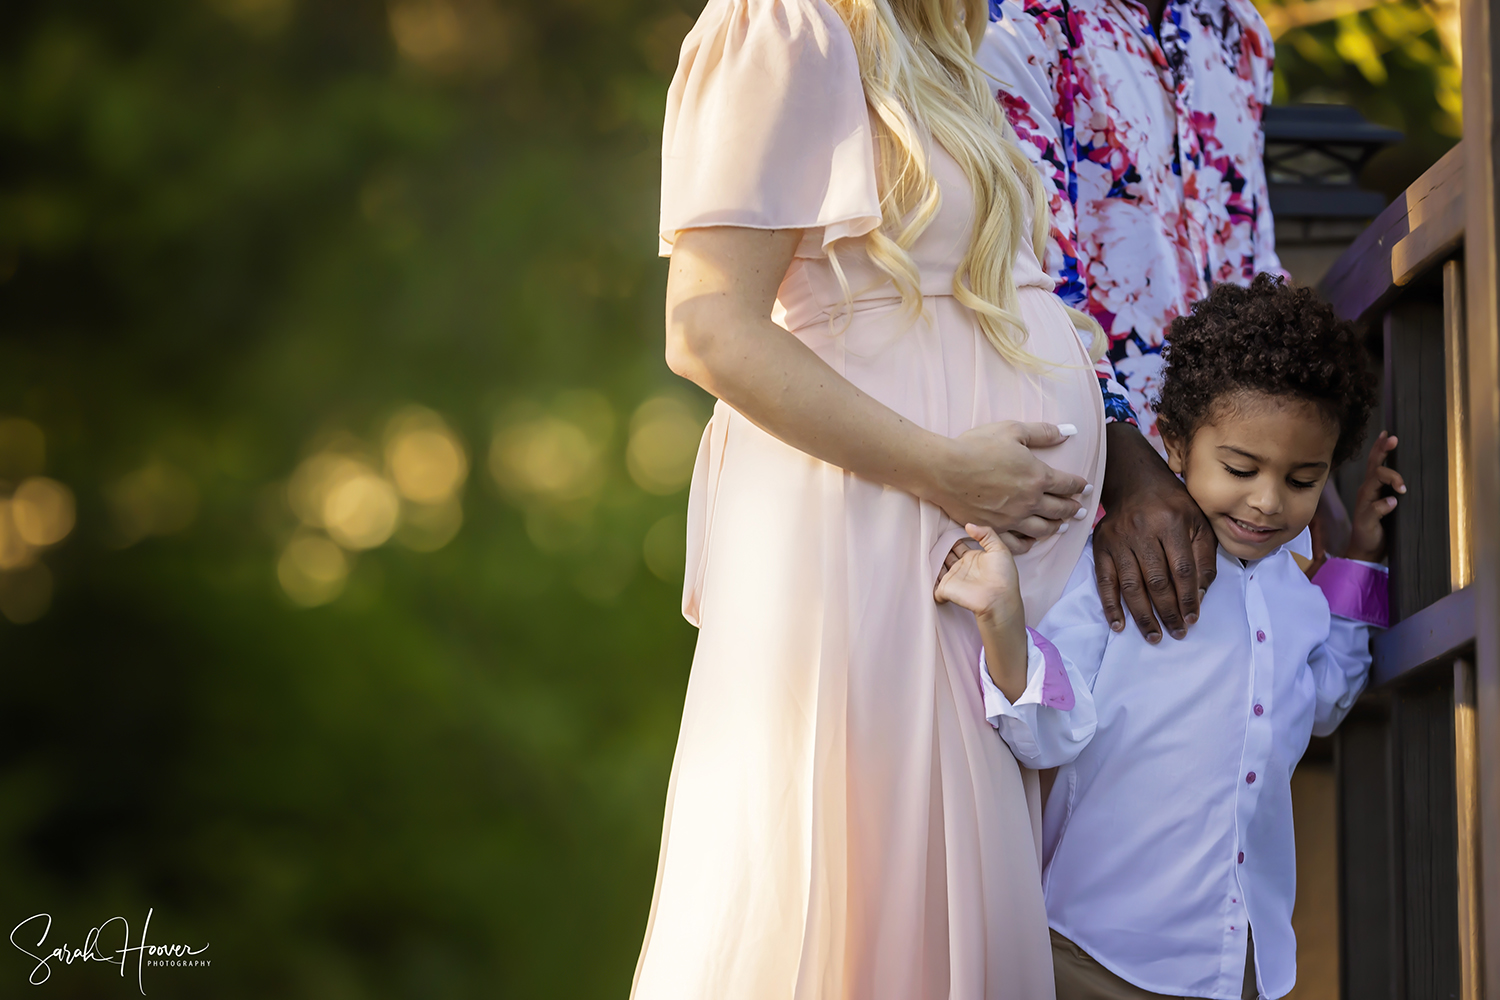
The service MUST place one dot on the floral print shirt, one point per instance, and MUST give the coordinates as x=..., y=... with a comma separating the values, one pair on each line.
x=1150, y=146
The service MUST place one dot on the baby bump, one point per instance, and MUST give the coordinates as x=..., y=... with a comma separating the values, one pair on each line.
x=978, y=386
x=941, y=373
x=939, y=370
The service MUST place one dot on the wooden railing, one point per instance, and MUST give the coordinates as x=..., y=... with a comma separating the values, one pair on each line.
x=1408, y=758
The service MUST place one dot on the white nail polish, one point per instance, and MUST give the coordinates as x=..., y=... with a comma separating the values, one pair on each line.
x=1083, y=512
x=1067, y=430
x=1064, y=529
x=1088, y=489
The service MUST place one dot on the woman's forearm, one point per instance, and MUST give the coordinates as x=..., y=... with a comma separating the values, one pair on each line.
x=720, y=335
x=778, y=382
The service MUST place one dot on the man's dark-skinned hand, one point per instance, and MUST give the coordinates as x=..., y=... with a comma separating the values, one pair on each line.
x=1154, y=546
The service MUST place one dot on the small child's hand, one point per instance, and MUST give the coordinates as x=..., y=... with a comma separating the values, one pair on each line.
x=1367, y=540
x=985, y=581
x=982, y=579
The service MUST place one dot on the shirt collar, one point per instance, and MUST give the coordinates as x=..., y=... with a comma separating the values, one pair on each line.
x=1301, y=545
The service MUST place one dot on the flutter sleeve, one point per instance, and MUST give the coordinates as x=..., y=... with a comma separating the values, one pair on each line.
x=767, y=126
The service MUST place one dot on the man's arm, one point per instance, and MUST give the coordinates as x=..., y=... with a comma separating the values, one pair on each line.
x=1154, y=547
x=1022, y=54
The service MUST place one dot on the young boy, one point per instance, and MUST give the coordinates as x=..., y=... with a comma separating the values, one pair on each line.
x=1167, y=837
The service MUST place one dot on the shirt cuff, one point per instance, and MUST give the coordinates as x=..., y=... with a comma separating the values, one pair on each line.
x=1047, y=682
x=1039, y=738
x=1356, y=590
x=1016, y=721
x=996, y=705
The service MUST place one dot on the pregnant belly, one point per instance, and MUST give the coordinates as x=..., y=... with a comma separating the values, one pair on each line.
x=939, y=371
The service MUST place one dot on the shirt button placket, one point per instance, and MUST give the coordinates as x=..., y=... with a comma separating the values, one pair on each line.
x=1259, y=710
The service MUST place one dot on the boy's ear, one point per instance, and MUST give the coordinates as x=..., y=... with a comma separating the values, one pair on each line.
x=1176, y=454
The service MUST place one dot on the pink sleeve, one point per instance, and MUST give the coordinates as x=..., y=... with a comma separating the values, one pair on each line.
x=1355, y=590
x=767, y=126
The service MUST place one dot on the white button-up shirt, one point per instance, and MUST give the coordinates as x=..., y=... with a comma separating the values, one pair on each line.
x=1169, y=833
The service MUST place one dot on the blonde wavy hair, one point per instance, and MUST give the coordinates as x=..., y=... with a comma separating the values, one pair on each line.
x=916, y=60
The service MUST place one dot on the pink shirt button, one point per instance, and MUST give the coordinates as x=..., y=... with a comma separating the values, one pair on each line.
x=1260, y=635
x=1260, y=710
x=1242, y=857
x=1250, y=778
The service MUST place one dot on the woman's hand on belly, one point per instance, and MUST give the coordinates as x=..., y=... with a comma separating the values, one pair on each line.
x=989, y=476
x=720, y=291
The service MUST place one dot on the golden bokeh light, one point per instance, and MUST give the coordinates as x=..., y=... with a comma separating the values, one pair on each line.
x=446, y=36
x=426, y=460
x=361, y=511
x=43, y=511
x=664, y=437
x=665, y=548
x=315, y=478
x=156, y=499
x=356, y=505
x=428, y=32
x=25, y=594
x=547, y=456
x=429, y=527
x=15, y=551
x=23, y=449
x=312, y=570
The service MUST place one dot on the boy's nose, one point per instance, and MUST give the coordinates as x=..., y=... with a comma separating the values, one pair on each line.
x=1268, y=503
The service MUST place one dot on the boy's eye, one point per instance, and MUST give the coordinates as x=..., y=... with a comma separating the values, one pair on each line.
x=1299, y=484
x=1240, y=473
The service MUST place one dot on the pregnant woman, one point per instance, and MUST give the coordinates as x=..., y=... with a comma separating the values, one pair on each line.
x=854, y=275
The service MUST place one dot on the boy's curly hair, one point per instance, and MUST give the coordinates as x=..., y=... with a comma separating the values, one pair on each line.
x=1268, y=338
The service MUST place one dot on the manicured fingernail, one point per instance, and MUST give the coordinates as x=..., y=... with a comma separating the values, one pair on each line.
x=1064, y=529
x=1067, y=430
x=1401, y=488
x=1180, y=634
x=1116, y=626
x=1192, y=619
x=1202, y=593
x=1083, y=512
x=1154, y=637
x=1088, y=488
x=1390, y=503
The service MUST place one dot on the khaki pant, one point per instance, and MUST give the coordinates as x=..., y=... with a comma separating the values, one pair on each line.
x=1079, y=977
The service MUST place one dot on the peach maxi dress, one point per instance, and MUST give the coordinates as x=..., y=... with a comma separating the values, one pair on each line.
x=841, y=821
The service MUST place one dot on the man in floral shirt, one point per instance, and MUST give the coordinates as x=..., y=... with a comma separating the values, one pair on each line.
x=1144, y=119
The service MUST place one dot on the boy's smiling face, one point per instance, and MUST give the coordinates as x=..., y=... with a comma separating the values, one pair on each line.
x=1256, y=468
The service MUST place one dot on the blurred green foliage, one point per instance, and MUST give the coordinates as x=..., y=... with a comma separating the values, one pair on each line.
x=1392, y=60
x=230, y=232
x=235, y=234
